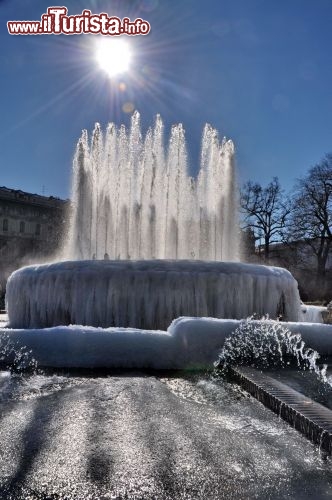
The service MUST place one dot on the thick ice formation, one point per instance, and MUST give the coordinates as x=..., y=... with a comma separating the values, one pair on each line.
x=146, y=294
x=312, y=314
x=188, y=343
x=134, y=199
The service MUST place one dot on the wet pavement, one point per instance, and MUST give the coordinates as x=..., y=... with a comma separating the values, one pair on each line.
x=143, y=436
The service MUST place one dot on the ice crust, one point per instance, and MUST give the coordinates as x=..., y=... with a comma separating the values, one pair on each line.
x=189, y=343
x=146, y=294
x=312, y=314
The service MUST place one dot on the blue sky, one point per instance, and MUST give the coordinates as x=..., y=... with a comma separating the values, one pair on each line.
x=260, y=71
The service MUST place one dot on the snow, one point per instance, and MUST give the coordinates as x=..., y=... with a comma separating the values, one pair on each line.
x=146, y=294
x=189, y=343
x=312, y=314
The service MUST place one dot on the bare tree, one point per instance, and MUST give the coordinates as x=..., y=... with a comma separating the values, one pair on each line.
x=265, y=211
x=311, y=220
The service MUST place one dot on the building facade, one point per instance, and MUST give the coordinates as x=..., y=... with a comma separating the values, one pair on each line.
x=31, y=229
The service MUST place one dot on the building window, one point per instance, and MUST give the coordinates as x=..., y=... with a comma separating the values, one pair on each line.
x=22, y=226
x=37, y=229
x=5, y=225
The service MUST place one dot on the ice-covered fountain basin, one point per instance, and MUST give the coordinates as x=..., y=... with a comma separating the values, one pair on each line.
x=146, y=294
x=188, y=343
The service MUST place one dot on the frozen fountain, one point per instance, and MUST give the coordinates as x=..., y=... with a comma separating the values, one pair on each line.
x=146, y=240
x=147, y=245
x=134, y=200
x=146, y=294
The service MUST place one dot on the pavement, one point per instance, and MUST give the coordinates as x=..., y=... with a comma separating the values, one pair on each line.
x=136, y=435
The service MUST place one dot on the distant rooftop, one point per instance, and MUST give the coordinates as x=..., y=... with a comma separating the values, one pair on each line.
x=18, y=196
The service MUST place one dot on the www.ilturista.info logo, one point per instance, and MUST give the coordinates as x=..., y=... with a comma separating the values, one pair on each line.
x=57, y=22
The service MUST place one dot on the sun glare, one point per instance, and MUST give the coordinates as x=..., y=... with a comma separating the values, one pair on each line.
x=113, y=56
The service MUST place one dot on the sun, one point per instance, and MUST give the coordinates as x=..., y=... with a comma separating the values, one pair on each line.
x=113, y=56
